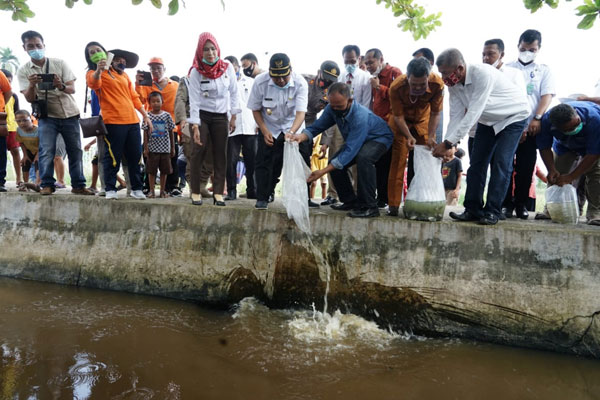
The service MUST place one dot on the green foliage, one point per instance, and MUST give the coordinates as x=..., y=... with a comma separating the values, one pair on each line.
x=8, y=60
x=590, y=10
x=414, y=20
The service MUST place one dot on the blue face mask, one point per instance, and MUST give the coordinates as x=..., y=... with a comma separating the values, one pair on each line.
x=121, y=66
x=287, y=85
x=575, y=131
x=350, y=68
x=212, y=63
x=37, y=54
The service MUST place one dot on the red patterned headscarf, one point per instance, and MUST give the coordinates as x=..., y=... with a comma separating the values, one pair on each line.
x=209, y=71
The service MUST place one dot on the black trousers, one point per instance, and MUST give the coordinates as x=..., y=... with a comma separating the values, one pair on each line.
x=248, y=146
x=269, y=162
x=524, y=165
x=382, y=168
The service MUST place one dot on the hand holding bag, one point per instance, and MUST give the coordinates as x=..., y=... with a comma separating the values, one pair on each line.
x=93, y=126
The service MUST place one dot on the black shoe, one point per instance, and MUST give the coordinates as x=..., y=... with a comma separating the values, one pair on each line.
x=366, y=213
x=3, y=189
x=261, y=205
x=219, y=203
x=231, y=195
x=381, y=204
x=488, y=219
x=312, y=204
x=521, y=212
x=501, y=217
x=250, y=195
x=464, y=217
x=507, y=211
x=272, y=198
x=175, y=193
x=328, y=201
x=393, y=211
x=343, y=206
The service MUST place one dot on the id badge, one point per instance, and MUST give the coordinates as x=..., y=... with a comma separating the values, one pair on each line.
x=530, y=87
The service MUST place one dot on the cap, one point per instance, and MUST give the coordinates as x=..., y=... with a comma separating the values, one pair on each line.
x=156, y=60
x=279, y=65
x=330, y=71
x=131, y=59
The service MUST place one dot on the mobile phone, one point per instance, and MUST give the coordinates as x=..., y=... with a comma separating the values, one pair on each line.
x=47, y=82
x=147, y=80
x=109, y=58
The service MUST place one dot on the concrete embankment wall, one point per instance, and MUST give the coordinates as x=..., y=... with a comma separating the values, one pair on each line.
x=525, y=284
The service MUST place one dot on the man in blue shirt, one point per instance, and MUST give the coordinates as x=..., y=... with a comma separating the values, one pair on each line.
x=573, y=130
x=367, y=137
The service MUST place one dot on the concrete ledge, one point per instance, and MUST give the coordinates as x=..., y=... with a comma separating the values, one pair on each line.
x=531, y=284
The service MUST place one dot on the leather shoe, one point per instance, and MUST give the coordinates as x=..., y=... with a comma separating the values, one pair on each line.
x=393, y=211
x=464, y=217
x=328, y=201
x=488, y=219
x=231, y=195
x=272, y=198
x=312, y=204
x=343, y=206
x=365, y=213
x=521, y=212
x=381, y=204
x=507, y=211
x=261, y=205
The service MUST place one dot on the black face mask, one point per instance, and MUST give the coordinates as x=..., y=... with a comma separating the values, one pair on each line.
x=248, y=71
x=341, y=113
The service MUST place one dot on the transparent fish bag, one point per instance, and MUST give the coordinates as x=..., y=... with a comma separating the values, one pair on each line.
x=426, y=198
x=562, y=204
x=295, y=192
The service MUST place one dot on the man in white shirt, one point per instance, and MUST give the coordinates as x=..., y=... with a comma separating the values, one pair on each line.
x=501, y=108
x=278, y=101
x=244, y=138
x=540, y=91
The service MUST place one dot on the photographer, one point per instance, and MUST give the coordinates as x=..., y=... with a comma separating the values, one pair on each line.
x=48, y=84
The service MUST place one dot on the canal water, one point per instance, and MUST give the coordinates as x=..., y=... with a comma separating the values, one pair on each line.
x=60, y=342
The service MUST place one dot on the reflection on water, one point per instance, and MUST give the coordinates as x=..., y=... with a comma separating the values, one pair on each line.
x=61, y=342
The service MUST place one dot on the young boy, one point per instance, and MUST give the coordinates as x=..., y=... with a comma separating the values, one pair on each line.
x=452, y=174
x=159, y=147
x=27, y=135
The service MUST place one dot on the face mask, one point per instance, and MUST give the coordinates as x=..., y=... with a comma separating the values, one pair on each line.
x=418, y=92
x=451, y=80
x=121, y=66
x=350, y=68
x=377, y=71
x=527, y=56
x=249, y=70
x=212, y=63
x=287, y=85
x=575, y=131
x=37, y=54
x=341, y=113
x=495, y=65
x=97, y=57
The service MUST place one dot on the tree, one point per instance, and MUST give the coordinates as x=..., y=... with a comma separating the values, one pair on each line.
x=8, y=60
x=414, y=20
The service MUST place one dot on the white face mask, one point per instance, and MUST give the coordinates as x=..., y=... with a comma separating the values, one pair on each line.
x=527, y=56
x=498, y=61
x=377, y=71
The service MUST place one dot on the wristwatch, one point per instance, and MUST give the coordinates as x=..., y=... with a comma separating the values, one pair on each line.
x=62, y=89
x=538, y=117
x=448, y=144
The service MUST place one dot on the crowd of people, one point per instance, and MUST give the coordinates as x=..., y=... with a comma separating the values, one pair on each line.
x=357, y=126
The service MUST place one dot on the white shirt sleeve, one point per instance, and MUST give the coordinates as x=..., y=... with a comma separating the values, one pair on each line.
x=234, y=97
x=365, y=99
x=256, y=96
x=301, y=95
x=483, y=84
x=194, y=96
x=548, y=85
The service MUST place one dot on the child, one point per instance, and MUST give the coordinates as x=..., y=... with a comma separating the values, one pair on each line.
x=27, y=135
x=318, y=161
x=452, y=174
x=159, y=147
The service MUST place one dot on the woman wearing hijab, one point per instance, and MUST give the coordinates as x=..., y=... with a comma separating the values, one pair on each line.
x=212, y=92
x=118, y=102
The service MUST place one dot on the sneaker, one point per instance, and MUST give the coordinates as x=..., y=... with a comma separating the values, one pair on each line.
x=175, y=193
x=111, y=195
x=328, y=201
x=261, y=205
x=138, y=194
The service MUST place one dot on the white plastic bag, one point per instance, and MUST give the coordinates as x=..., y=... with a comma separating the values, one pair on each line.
x=426, y=198
x=295, y=192
x=562, y=204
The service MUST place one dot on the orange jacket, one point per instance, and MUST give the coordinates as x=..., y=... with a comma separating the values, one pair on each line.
x=168, y=94
x=118, y=99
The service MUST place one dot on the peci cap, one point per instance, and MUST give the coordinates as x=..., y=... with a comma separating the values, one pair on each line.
x=279, y=65
x=156, y=60
x=330, y=71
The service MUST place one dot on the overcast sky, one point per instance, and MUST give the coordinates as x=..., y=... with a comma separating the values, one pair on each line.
x=309, y=31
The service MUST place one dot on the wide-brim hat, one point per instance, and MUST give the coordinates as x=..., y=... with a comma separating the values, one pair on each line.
x=131, y=59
